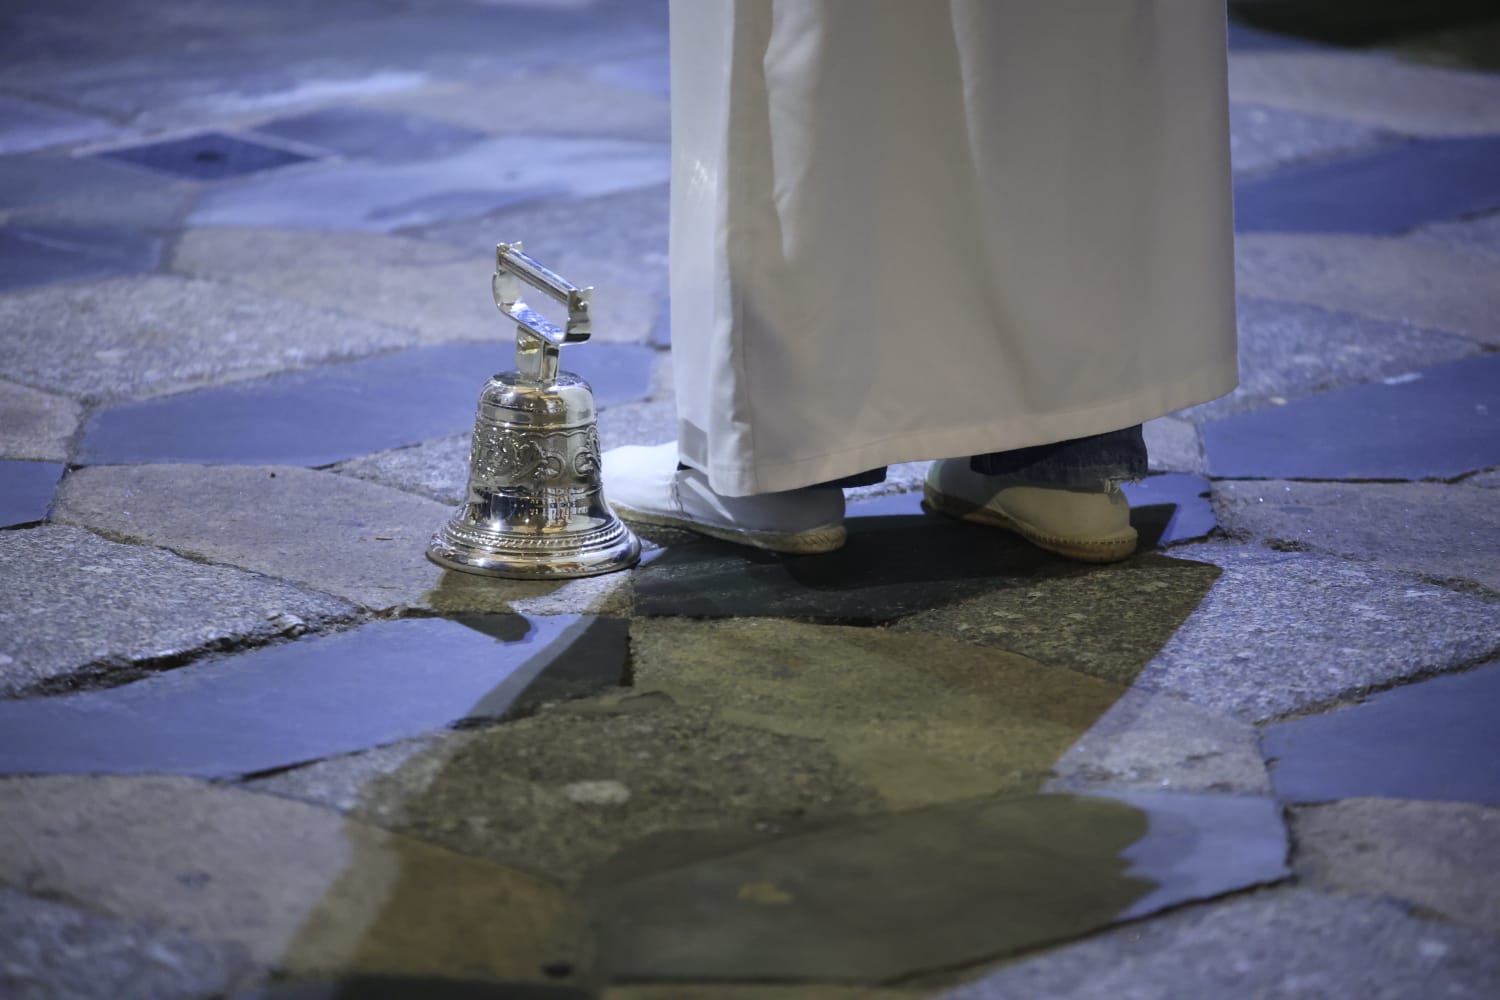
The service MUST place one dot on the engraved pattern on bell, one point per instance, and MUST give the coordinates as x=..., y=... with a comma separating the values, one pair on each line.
x=502, y=457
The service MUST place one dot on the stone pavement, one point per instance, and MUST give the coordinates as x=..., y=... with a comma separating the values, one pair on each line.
x=254, y=745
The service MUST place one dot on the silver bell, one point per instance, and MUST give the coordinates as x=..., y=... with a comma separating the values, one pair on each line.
x=535, y=506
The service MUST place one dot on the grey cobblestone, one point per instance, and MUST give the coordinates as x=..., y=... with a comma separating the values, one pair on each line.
x=79, y=609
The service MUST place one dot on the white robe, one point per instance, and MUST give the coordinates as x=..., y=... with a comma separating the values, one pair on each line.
x=913, y=229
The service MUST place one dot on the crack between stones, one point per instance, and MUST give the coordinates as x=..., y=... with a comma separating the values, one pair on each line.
x=1358, y=695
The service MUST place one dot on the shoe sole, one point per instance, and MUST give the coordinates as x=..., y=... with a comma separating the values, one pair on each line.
x=803, y=543
x=1092, y=550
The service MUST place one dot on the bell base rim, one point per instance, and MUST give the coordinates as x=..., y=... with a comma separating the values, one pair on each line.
x=498, y=564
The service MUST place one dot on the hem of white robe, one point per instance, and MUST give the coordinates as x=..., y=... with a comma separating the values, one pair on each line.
x=977, y=439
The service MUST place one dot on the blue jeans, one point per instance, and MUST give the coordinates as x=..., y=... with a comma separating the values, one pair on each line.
x=1087, y=462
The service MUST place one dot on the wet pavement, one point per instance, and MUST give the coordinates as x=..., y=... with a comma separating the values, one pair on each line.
x=254, y=745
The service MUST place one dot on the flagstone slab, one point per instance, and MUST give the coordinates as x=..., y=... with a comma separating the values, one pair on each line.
x=1289, y=351
x=207, y=156
x=564, y=791
x=1282, y=632
x=157, y=211
x=1281, y=943
x=123, y=338
x=480, y=178
x=334, y=412
x=356, y=540
x=1382, y=192
x=371, y=133
x=919, y=718
x=50, y=949
x=1434, y=740
x=529, y=103
x=1439, y=531
x=436, y=289
x=1441, y=856
x=77, y=609
x=302, y=889
x=34, y=425
x=912, y=892
x=26, y=125
x=1411, y=280
x=1107, y=621
x=1479, y=233
x=289, y=704
x=1435, y=423
x=26, y=490
x=33, y=255
x=37, y=180
x=1374, y=90
x=1262, y=138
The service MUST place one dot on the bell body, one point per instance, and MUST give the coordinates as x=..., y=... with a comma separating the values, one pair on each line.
x=535, y=505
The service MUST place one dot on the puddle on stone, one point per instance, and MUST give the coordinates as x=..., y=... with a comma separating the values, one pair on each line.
x=284, y=705
x=1170, y=508
x=1384, y=193
x=925, y=890
x=1436, y=739
x=336, y=412
x=26, y=490
x=898, y=560
x=1435, y=423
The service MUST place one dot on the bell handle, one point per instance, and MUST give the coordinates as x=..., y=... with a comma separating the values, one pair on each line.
x=513, y=266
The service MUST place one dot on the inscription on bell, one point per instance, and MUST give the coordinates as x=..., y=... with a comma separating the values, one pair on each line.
x=502, y=457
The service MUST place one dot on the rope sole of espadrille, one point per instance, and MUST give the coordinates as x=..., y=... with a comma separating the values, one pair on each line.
x=1111, y=548
x=825, y=538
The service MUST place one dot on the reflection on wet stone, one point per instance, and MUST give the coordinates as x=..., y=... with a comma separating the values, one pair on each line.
x=924, y=890
x=288, y=704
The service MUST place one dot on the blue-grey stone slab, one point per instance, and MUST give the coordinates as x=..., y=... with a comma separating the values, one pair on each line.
x=313, y=698
x=1439, y=422
x=25, y=126
x=1437, y=739
x=208, y=156
x=37, y=180
x=1243, y=38
x=474, y=180
x=935, y=888
x=26, y=491
x=1170, y=508
x=897, y=561
x=325, y=415
x=1384, y=192
x=37, y=256
x=372, y=133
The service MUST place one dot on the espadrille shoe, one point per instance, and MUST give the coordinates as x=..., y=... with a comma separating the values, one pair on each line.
x=1087, y=525
x=646, y=486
